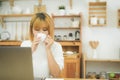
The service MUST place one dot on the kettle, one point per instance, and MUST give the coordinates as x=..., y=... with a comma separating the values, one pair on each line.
x=77, y=35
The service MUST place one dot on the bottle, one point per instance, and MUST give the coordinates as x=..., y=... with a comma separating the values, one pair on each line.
x=77, y=35
x=71, y=36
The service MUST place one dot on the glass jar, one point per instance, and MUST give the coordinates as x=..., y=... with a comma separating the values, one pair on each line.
x=103, y=75
x=91, y=75
x=65, y=37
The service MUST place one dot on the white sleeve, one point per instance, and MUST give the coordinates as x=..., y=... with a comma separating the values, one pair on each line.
x=26, y=43
x=58, y=54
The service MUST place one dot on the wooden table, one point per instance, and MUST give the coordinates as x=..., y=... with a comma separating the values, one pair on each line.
x=67, y=79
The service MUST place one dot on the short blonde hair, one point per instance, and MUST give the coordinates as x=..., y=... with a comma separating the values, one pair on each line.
x=41, y=17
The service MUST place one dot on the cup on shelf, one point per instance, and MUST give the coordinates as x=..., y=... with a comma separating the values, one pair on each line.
x=27, y=11
x=93, y=20
x=16, y=10
x=64, y=37
x=101, y=21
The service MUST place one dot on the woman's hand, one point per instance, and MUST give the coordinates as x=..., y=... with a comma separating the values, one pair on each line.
x=35, y=43
x=48, y=42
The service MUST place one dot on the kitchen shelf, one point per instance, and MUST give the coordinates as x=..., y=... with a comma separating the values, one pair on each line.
x=86, y=60
x=74, y=56
x=103, y=60
x=61, y=16
x=70, y=43
x=62, y=41
x=16, y=15
x=63, y=27
x=98, y=10
x=10, y=43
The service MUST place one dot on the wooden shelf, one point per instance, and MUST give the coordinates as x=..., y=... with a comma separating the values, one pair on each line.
x=98, y=25
x=16, y=15
x=72, y=15
x=85, y=60
x=10, y=43
x=97, y=3
x=65, y=28
x=71, y=62
x=70, y=43
x=114, y=79
x=102, y=60
x=72, y=56
x=98, y=10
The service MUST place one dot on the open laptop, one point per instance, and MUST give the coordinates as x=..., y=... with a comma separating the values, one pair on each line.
x=16, y=63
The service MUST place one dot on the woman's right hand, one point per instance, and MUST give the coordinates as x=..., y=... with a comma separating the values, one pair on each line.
x=35, y=43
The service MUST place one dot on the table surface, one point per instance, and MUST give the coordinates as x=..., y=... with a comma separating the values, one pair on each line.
x=66, y=79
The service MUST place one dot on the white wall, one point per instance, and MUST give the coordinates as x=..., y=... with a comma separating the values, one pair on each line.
x=108, y=36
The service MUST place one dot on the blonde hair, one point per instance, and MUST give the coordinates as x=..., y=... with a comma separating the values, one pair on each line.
x=41, y=17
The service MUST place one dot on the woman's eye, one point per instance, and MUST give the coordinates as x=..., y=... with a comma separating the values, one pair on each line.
x=37, y=29
x=45, y=29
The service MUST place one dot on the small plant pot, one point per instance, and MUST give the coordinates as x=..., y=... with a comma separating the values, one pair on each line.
x=62, y=11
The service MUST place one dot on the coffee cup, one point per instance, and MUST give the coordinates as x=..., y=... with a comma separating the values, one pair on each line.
x=41, y=36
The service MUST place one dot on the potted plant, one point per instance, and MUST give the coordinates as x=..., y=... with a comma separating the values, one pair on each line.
x=61, y=10
x=62, y=7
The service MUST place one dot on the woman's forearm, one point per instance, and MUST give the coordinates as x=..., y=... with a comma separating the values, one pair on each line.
x=53, y=66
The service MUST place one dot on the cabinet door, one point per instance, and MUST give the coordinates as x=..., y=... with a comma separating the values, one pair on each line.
x=72, y=68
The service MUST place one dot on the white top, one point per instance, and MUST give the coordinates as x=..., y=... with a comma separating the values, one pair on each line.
x=40, y=62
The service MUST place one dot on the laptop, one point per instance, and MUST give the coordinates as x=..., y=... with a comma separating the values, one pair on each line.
x=16, y=63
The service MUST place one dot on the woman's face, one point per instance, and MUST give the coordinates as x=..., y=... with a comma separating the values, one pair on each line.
x=41, y=27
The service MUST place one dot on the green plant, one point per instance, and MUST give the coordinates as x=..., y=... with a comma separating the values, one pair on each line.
x=62, y=7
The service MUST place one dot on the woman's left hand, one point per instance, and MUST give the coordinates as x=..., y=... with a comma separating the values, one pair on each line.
x=48, y=42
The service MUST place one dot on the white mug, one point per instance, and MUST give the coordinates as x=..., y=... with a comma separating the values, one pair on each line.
x=41, y=36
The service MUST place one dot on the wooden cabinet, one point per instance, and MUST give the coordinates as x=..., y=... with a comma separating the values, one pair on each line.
x=97, y=14
x=100, y=65
x=71, y=62
x=64, y=26
x=72, y=68
x=118, y=18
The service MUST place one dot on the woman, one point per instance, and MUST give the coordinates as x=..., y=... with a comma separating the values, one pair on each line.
x=47, y=54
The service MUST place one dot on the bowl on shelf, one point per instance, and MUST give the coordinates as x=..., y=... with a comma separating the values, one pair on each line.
x=16, y=10
x=5, y=35
x=68, y=52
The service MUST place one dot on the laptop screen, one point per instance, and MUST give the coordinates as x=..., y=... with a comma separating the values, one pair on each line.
x=16, y=63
